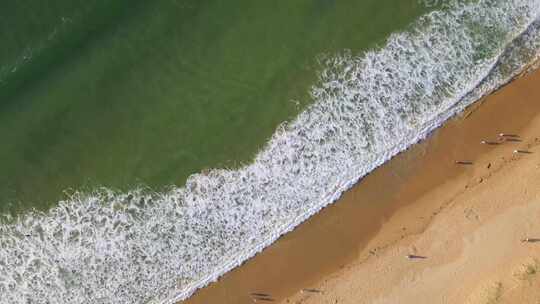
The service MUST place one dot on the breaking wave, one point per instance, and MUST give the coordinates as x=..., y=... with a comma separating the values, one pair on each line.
x=143, y=247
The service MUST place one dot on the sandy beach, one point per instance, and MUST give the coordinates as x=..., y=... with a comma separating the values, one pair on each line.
x=470, y=228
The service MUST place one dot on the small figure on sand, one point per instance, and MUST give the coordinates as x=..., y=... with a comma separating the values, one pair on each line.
x=310, y=290
x=255, y=300
x=488, y=142
x=414, y=256
x=508, y=135
x=530, y=240
x=261, y=296
x=463, y=162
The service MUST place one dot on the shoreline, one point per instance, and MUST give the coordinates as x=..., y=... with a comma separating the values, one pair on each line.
x=298, y=260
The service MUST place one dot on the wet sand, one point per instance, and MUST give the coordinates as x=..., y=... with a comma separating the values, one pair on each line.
x=417, y=203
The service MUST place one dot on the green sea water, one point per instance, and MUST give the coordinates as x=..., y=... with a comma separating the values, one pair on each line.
x=127, y=93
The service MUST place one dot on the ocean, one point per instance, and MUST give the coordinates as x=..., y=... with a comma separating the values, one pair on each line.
x=150, y=148
x=126, y=94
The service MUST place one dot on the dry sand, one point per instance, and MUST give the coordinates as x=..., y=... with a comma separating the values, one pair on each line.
x=466, y=220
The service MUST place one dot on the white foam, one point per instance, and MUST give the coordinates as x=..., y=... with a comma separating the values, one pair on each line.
x=141, y=247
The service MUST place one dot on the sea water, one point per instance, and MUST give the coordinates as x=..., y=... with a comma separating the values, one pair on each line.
x=125, y=93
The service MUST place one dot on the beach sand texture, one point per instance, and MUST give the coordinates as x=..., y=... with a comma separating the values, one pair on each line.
x=468, y=221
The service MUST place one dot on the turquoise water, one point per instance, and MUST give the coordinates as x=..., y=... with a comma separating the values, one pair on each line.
x=128, y=93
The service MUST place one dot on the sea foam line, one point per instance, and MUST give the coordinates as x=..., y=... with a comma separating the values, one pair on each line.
x=139, y=247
